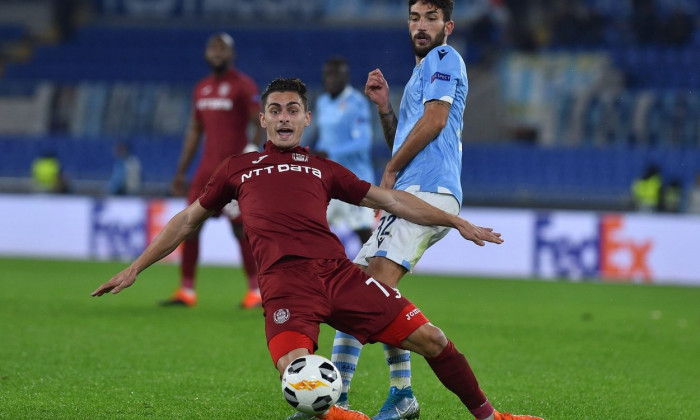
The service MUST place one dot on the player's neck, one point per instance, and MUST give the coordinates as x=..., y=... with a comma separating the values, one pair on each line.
x=419, y=59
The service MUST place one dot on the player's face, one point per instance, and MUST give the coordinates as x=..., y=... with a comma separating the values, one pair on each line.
x=218, y=55
x=427, y=28
x=284, y=118
x=335, y=77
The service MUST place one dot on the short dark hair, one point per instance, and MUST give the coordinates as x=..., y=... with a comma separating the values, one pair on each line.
x=337, y=61
x=447, y=6
x=286, y=85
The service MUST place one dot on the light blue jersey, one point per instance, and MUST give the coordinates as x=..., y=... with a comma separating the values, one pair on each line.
x=345, y=131
x=437, y=168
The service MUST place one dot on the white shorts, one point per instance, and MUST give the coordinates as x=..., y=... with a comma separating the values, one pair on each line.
x=404, y=242
x=354, y=217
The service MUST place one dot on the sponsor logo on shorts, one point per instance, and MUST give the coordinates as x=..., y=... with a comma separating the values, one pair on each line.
x=281, y=316
x=411, y=314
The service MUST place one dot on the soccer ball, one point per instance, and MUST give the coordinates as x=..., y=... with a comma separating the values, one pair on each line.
x=311, y=384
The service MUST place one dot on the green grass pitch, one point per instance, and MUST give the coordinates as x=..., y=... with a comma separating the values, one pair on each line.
x=556, y=349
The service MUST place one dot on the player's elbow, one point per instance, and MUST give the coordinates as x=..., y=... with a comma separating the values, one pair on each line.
x=440, y=122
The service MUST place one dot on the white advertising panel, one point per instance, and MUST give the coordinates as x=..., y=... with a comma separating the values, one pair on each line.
x=44, y=226
x=455, y=255
x=644, y=248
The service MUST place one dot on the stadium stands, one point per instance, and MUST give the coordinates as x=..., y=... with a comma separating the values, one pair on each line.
x=120, y=78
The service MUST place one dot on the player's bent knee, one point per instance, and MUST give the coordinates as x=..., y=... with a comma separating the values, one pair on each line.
x=287, y=346
x=428, y=341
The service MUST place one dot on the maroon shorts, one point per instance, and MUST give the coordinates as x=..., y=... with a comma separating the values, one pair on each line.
x=298, y=294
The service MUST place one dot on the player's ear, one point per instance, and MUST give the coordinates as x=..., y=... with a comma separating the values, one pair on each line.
x=262, y=120
x=307, y=119
x=449, y=27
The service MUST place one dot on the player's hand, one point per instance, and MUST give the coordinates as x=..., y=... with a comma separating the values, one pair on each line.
x=178, y=186
x=116, y=284
x=479, y=235
x=377, y=90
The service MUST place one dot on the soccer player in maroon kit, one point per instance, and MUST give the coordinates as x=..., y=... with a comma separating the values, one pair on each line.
x=305, y=277
x=225, y=102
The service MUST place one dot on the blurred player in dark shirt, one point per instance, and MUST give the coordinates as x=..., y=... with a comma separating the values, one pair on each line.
x=224, y=104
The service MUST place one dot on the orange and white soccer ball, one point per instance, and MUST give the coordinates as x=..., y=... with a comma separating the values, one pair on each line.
x=311, y=384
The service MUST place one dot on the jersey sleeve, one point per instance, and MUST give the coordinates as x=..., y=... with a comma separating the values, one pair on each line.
x=346, y=186
x=443, y=68
x=219, y=191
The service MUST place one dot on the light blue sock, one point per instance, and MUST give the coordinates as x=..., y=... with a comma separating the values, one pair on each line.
x=399, y=362
x=346, y=353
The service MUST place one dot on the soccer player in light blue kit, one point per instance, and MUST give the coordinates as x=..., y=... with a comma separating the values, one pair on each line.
x=426, y=143
x=345, y=136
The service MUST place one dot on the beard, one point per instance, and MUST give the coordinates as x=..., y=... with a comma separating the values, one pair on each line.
x=218, y=67
x=422, y=51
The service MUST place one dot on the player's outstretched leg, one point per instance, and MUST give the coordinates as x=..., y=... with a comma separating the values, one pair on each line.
x=453, y=370
x=346, y=353
x=400, y=404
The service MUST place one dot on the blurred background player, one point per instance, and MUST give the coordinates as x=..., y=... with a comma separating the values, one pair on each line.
x=344, y=130
x=225, y=104
x=126, y=172
x=426, y=143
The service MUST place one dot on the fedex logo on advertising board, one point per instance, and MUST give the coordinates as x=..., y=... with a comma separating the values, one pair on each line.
x=566, y=245
x=572, y=245
x=623, y=257
x=117, y=229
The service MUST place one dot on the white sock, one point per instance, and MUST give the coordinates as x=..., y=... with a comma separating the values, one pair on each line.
x=346, y=353
x=399, y=362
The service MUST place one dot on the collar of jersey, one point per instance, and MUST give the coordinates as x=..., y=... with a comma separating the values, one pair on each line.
x=270, y=147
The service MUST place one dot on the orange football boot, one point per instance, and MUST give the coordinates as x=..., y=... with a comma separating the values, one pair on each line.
x=338, y=413
x=251, y=300
x=182, y=297
x=508, y=416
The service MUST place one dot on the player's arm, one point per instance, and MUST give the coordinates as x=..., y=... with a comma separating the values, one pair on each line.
x=377, y=90
x=174, y=232
x=190, y=144
x=427, y=128
x=413, y=209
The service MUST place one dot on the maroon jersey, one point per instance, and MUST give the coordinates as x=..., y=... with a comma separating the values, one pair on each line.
x=222, y=106
x=283, y=197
